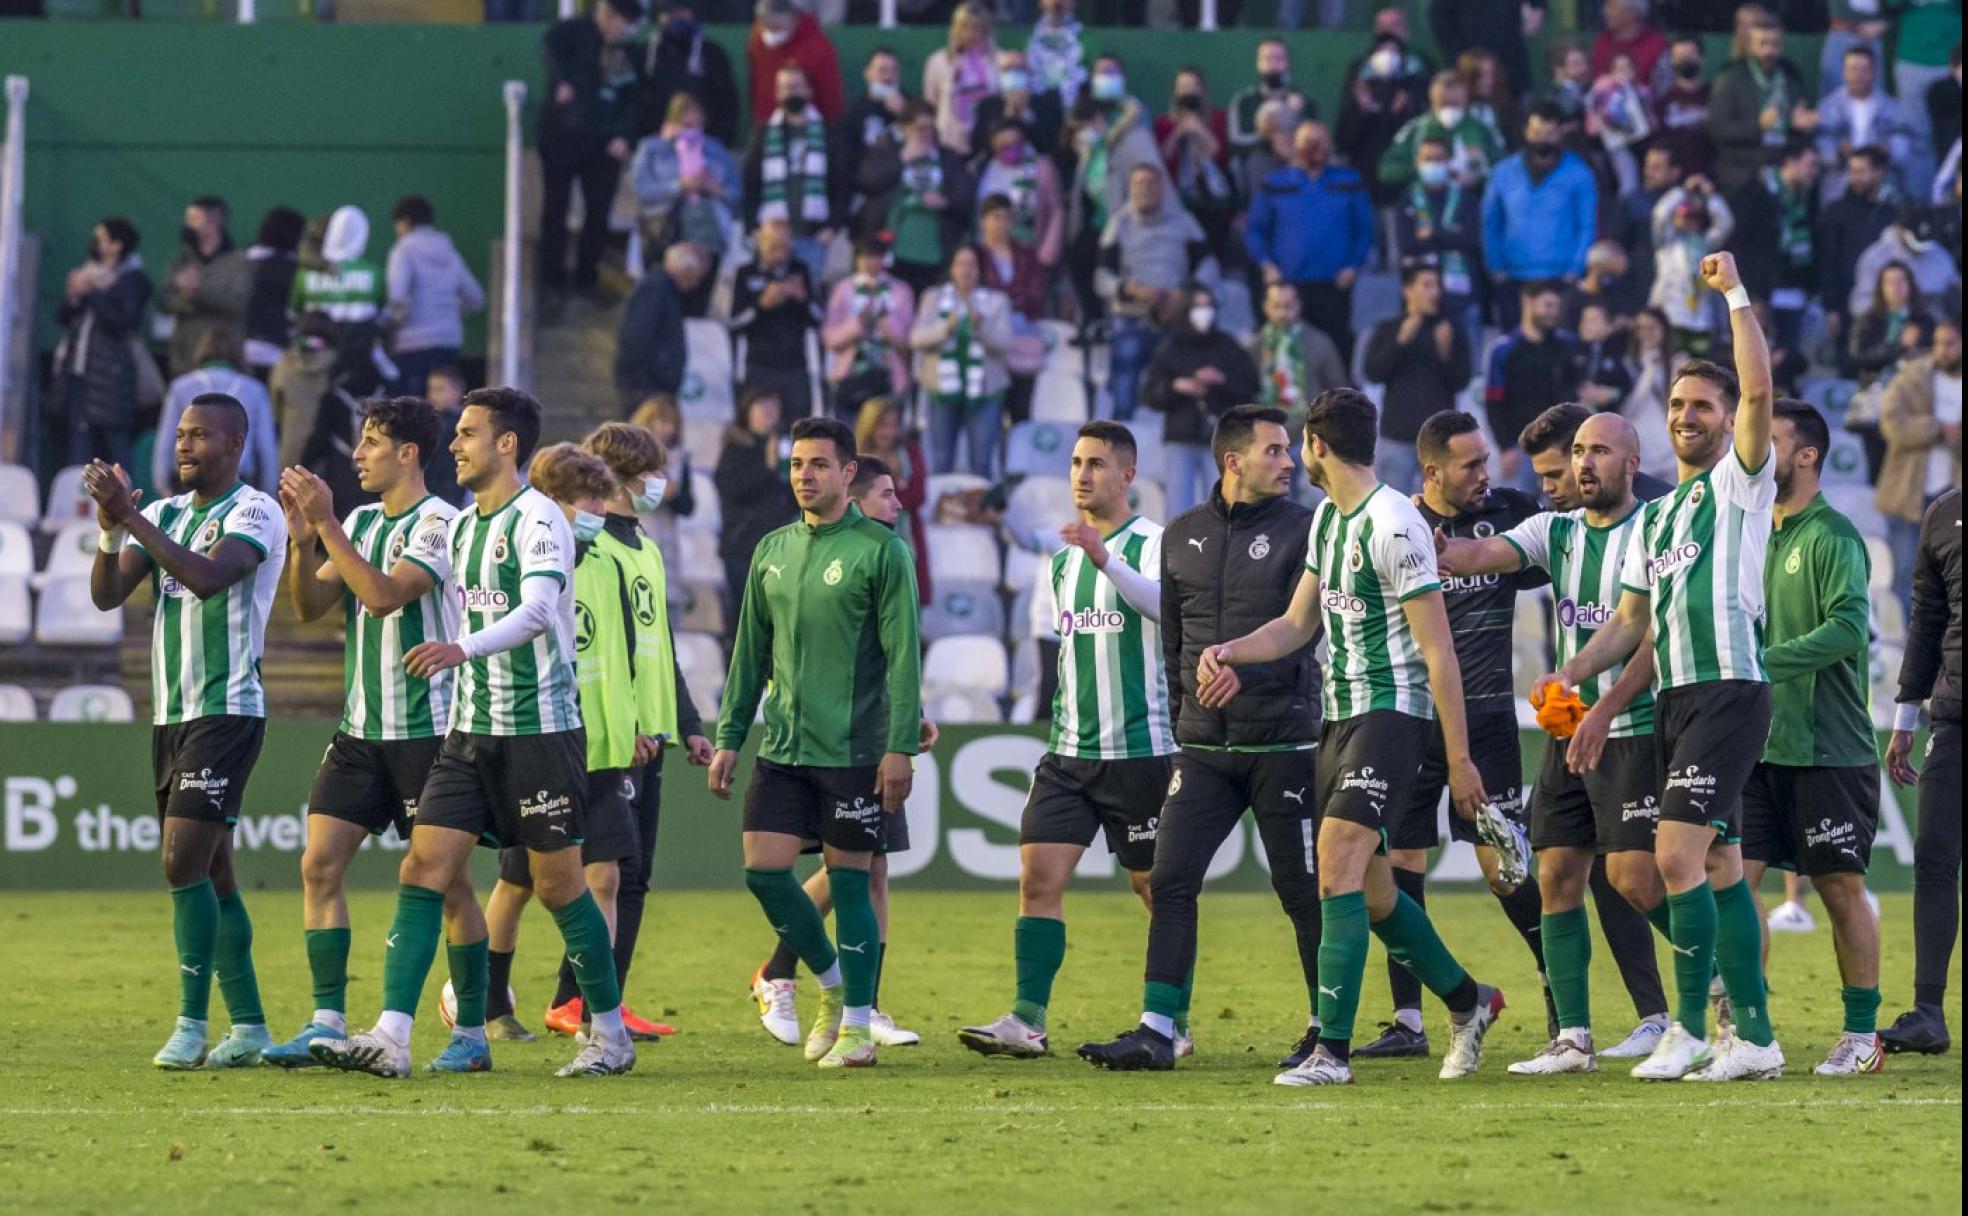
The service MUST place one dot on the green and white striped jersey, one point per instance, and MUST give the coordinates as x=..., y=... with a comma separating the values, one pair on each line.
x=205, y=653
x=530, y=689
x=1584, y=564
x=1698, y=552
x=382, y=700
x=1369, y=563
x=1113, y=698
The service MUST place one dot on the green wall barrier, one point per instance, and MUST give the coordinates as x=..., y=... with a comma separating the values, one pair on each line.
x=77, y=812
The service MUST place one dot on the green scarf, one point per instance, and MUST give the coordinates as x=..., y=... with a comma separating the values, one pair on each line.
x=1772, y=90
x=1794, y=224
x=788, y=192
x=1284, y=373
x=918, y=228
x=960, y=360
x=1455, y=267
x=873, y=301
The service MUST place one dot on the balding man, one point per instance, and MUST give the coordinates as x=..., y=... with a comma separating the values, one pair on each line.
x=649, y=349
x=1596, y=793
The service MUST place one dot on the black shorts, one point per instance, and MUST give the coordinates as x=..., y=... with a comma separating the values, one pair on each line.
x=834, y=806
x=373, y=783
x=610, y=820
x=1368, y=767
x=1612, y=809
x=895, y=835
x=1711, y=735
x=1498, y=752
x=525, y=790
x=199, y=767
x=1072, y=799
x=1811, y=820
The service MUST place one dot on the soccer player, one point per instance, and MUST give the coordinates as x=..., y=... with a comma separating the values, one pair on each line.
x=1812, y=804
x=1693, y=577
x=1108, y=760
x=1607, y=808
x=1370, y=580
x=1931, y=672
x=1457, y=500
x=775, y=984
x=830, y=613
x=1227, y=565
x=511, y=770
x=614, y=660
x=212, y=556
x=378, y=571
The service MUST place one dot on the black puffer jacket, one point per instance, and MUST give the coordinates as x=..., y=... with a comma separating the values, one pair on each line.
x=1932, y=667
x=1183, y=352
x=1225, y=571
x=96, y=358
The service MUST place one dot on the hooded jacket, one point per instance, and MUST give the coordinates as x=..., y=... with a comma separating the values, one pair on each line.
x=1189, y=418
x=430, y=290
x=809, y=50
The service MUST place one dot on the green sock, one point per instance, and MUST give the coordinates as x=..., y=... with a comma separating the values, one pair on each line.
x=1692, y=935
x=1038, y=946
x=790, y=912
x=584, y=931
x=1188, y=991
x=195, y=926
x=327, y=953
x=1861, y=1009
x=1568, y=965
x=238, y=982
x=471, y=972
x=411, y=947
x=1165, y=999
x=1342, y=963
x=857, y=934
x=1739, y=956
x=1661, y=918
x=1411, y=939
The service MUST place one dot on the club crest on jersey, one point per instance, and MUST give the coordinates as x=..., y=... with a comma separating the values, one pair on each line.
x=500, y=550
x=584, y=626
x=397, y=546
x=1794, y=562
x=642, y=601
x=210, y=536
x=1699, y=492
x=1260, y=548
x=832, y=576
x=1355, y=558
x=1175, y=784
x=1091, y=620
x=1484, y=529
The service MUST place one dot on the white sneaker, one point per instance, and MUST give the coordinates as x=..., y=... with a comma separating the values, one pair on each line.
x=600, y=1057
x=1558, y=1056
x=778, y=1007
x=1791, y=917
x=826, y=1025
x=1854, y=1055
x=1320, y=1068
x=1741, y=1060
x=1465, y=1054
x=1010, y=1035
x=1508, y=840
x=372, y=1052
x=1185, y=1045
x=886, y=1033
x=1639, y=1044
x=1676, y=1055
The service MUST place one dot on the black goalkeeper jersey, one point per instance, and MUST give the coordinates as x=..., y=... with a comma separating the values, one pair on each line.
x=1483, y=607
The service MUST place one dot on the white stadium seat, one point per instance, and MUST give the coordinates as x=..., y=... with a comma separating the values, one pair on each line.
x=702, y=661
x=942, y=485
x=17, y=610
x=706, y=389
x=707, y=509
x=962, y=608
x=1149, y=500
x=16, y=704
x=1020, y=569
x=92, y=703
x=703, y=438
x=16, y=549
x=1037, y=509
x=1846, y=462
x=66, y=616
x=68, y=502
x=73, y=553
x=1060, y=396
x=961, y=553
x=977, y=665
x=1039, y=448
x=702, y=610
x=20, y=496
x=963, y=709
x=700, y=562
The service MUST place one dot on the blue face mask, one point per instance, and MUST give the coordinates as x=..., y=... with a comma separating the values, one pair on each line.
x=1015, y=81
x=1108, y=86
x=587, y=526
x=1434, y=173
x=880, y=90
x=651, y=495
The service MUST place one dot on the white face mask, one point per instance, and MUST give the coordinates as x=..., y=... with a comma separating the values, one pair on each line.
x=775, y=38
x=1202, y=317
x=587, y=525
x=651, y=496
x=1386, y=61
x=1450, y=116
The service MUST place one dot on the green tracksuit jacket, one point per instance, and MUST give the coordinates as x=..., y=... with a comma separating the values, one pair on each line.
x=1815, y=641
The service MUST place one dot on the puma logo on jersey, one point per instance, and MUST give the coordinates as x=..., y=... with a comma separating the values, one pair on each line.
x=1297, y=795
x=190, y=968
x=1684, y=951
x=389, y=943
x=772, y=571
x=1331, y=992
x=1198, y=542
x=846, y=948
x=574, y=960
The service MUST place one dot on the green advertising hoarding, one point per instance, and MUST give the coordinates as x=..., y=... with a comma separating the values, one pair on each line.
x=77, y=812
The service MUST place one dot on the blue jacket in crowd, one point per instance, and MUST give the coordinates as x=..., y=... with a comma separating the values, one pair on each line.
x=1311, y=230
x=1541, y=230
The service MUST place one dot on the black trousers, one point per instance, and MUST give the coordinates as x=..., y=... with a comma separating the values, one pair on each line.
x=633, y=890
x=1937, y=864
x=1207, y=798
x=1328, y=308
x=597, y=172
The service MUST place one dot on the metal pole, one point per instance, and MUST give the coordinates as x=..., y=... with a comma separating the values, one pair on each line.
x=1206, y=19
x=248, y=12
x=510, y=284
x=13, y=161
x=888, y=21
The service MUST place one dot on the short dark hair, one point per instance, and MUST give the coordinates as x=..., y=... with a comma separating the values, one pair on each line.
x=450, y=371
x=1721, y=377
x=752, y=395
x=822, y=427
x=916, y=108
x=866, y=470
x=1873, y=154
x=1862, y=51
x=406, y=420
x=878, y=52
x=993, y=202
x=1796, y=146
x=1114, y=435
x=1541, y=287
x=414, y=210
x=1432, y=440
x=514, y=412
x=1238, y=424
x=1554, y=428
x=282, y=229
x=226, y=404
x=211, y=202
x=1546, y=111
x=1812, y=429
x=123, y=232
x=1413, y=268
x=1346, y=421
x=1441, y=141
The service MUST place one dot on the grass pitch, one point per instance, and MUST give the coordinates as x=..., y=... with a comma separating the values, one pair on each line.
x=720, y=1118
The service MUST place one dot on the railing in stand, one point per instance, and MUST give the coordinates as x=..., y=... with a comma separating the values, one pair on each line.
x=13, y=165
x=510, y=282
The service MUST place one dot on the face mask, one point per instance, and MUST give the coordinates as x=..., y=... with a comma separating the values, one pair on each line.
x=1107, y=86
x=1202, y=317
x=1386, y=61
x=1688, y=69
x=881, y=90
x=651, y=496
x=775, y=38
x=1012, y=155
x=587, y=526
x=1274, y=80
x=1543, y=150
x=1017, y=80
x=1434, y=173
x=793, y=106
x=1451, y=116
x=189, y=236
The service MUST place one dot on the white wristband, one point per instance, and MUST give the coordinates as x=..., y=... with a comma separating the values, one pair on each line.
x=1738, y=297
x=111, y=541
x=1906, y=716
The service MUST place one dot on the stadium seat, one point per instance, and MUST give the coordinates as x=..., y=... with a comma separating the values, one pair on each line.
x=702, y=610
x=702, y=660
x=963, y=608
x=961, y=553
x=92, y=703
x=966, y=664
x=16, y=704
x=703, y=438
x=707, y=509
x=20, y=496
x=68, y=502
x=941, y=484
x=73, y=553
x=1845, y=464
x=963, y=709
x=1882, y=561
x=16, y=609
x=16, y=550
x=1020, y=569
x=1024, y=709
x=1060, y=396
x=706, y=389
x=65, y=616
x=700, y=562
x=1037, y=509
x=1148, y=499
x=1040, y=449
x=1855, y=503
